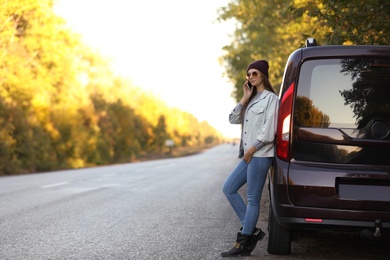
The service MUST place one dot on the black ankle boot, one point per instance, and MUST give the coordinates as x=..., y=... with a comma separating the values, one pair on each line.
x=242, y=246
x=257, y=235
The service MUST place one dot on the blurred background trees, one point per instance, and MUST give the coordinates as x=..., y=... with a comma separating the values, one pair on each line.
x=272, y=29
x=62, y=107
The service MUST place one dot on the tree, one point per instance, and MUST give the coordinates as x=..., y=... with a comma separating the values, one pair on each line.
x=348, y=22
x=160, y=133
x=61, y=105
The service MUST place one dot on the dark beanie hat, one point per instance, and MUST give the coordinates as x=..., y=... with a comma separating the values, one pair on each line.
x=260, y=65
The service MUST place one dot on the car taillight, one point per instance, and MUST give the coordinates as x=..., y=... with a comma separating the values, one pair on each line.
x=284, y=125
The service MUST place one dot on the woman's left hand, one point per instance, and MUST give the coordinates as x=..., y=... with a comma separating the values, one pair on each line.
x=249, y=154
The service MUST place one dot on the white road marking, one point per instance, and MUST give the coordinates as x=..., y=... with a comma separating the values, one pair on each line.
x=54, y=185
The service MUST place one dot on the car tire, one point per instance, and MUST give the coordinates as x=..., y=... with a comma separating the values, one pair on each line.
x=279, y=240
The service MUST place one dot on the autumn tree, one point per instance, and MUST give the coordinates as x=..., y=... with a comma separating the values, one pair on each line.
x=160, y=133
x=61, y=105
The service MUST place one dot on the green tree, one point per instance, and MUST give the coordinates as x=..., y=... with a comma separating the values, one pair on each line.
x=261, y=28
x=348, y=22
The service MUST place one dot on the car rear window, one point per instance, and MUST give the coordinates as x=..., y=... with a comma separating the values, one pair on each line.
x=343, y=93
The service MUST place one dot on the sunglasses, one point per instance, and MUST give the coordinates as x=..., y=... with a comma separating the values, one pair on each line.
x=252, y=74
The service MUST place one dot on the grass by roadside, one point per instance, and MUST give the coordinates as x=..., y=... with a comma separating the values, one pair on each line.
x=175, y=152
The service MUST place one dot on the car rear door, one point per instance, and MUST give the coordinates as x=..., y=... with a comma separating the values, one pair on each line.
x=341, y=134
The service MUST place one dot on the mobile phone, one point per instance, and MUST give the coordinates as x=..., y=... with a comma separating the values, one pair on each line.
x=249, y=85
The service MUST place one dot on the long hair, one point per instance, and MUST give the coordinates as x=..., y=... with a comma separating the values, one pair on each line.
x=267, y=85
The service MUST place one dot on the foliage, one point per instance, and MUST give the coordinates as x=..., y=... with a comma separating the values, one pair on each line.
x=272, y=29
x=306, y=114
x=62, y=107
x=349, y=22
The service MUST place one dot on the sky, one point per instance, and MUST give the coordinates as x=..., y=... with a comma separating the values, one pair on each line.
x=170, y=48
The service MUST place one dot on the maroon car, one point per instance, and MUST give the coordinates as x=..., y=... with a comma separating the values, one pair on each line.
x=332, y=165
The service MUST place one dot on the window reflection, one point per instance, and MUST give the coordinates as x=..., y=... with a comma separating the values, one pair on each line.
x=369, y=95
x=346, y=93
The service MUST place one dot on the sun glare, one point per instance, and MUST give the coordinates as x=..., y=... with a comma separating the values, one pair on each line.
x=170, y=48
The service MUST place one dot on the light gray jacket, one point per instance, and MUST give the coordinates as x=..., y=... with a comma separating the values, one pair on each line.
x=260, y=120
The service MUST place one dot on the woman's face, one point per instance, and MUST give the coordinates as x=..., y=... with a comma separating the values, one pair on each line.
x=254, y=77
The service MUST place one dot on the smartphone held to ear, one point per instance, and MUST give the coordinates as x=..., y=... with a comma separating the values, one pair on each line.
x=249, y=85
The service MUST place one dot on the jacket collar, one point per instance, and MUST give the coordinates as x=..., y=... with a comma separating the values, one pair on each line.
x=263, y=95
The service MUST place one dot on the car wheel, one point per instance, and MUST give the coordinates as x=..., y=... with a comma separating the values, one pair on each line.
x=279, y=240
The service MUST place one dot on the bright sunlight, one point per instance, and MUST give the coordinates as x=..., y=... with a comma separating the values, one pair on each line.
x=170, y=48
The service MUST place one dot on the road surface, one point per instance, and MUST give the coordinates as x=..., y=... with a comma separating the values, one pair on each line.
x=163, y=209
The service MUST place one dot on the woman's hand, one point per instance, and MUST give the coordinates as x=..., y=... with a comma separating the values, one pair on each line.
x=249, y=154
x=247, y=93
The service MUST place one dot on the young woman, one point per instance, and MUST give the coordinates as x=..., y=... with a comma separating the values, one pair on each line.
x=257, y=112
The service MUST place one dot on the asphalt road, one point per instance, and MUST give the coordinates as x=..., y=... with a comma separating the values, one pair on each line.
x=164, y=209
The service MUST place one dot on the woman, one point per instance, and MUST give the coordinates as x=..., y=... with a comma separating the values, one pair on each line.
x=257, y=112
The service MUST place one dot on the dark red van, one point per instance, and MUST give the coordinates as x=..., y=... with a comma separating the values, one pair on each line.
x=332, y=163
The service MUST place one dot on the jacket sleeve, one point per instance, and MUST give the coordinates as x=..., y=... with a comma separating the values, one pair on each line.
x=268, y=130
x=235, y=115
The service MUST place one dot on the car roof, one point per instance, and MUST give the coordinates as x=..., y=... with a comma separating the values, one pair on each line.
x=337, y=51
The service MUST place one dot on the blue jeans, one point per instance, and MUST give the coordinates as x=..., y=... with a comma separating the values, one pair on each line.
x=254, y=174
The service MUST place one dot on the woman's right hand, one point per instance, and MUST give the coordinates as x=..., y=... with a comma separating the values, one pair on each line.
x=247, y=93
